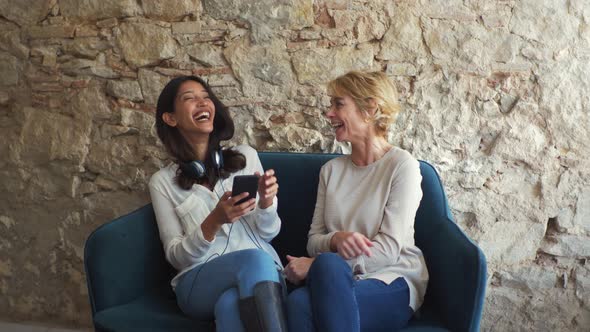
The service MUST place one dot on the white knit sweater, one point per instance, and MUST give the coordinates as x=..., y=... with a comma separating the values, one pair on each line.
x=180, y=213
x=379, y=201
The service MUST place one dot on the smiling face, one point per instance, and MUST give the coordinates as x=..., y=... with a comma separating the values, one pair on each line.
x=347, y=119
x=194, y=111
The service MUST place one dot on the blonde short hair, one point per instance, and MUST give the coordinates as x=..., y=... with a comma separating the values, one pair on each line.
x=365, y=87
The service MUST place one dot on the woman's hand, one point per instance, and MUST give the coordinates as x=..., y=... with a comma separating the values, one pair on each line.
x=267, y=188
x=225, y=212
x=297, y=268
x=350, y=244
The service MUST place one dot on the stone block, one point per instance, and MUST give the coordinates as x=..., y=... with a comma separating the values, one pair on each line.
x=494, y=20
x=170, y=10
x=9, y=69
x=4, y=98
x=137, y=119
x=270, y=78
x=84, y=67
x=151, y=84
x=582, y=216
x=10, y=42
x=507, y=50
x=129, y=90
x=582, y=275
x=51, y=31
x=344, y=19
x=566, y=245
x=107, y=23
x=458, y=13
x=25, y=12
x=88, y=47
x=318, y=66
x=296, y=137
x=369, y=27
x=190, y=27
x=531, y=279
x=91, y=103
x=221, y=80
x=403, y=40
x=265, y=17
x=145, y=44
x=545, y=21
x=44, y=138
x=401, y=69
x=310, y=34
x=86, y=31
x=335, y=4
x=207, y=55
x=96, y=10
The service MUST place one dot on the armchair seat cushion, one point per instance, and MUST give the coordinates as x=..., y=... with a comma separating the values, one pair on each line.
x=154, y=311
x=425, y=321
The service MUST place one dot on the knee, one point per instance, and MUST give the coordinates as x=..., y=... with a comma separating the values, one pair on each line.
x=227, y=303
x=256, y=265
x=298, y=298
x=257, y=259
x=328, y=264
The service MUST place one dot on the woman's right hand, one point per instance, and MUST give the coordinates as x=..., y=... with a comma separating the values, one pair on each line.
x=297, y=269
x=227, y=212
x=350, y=244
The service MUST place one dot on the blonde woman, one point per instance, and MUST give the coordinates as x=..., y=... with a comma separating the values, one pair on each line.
x=365, y=272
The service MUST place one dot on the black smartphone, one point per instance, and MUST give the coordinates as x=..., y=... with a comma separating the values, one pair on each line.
x=245, y=183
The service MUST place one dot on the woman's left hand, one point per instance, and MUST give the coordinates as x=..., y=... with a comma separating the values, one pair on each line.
x=350, y=245
x=297, y=269
x=267, y=188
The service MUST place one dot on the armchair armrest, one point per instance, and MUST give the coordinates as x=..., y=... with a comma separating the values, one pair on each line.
x=457, y=269
x=123, y=259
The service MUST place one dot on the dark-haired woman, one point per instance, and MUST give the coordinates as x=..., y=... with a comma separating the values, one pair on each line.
x=227, y=269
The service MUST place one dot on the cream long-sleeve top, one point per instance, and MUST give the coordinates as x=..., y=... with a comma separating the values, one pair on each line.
x=180, y=213
x=380, y=201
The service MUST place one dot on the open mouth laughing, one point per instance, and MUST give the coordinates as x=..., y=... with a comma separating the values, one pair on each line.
x=202, y=116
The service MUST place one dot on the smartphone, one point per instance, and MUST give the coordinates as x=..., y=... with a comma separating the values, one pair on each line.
x=245, y=183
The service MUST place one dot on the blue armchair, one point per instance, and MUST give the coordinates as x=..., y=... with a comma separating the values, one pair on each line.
x=128, y=277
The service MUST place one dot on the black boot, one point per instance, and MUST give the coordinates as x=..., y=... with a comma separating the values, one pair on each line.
x=264, y=312
x=270, y=306
x=249, y=314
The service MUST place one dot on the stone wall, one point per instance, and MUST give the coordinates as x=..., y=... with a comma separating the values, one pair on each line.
x=496, y=95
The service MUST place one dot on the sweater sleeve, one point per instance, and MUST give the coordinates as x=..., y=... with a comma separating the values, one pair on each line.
x=397, y=227
x=318, y=236
x=181, y=249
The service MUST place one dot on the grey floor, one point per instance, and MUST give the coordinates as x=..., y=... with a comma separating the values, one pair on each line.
x=25, y=327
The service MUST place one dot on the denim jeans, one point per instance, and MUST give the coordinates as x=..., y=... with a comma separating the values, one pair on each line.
x=332, y=300
x=212, y=289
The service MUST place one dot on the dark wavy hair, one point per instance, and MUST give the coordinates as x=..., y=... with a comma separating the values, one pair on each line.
x=181, y=150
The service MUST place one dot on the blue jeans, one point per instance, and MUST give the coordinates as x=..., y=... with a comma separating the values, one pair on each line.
x=333, y=301
x=212, y=290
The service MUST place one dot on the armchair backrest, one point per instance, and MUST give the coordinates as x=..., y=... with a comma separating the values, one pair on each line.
x=298, y=178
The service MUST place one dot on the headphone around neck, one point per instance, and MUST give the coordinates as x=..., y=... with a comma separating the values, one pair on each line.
x=196, y=169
